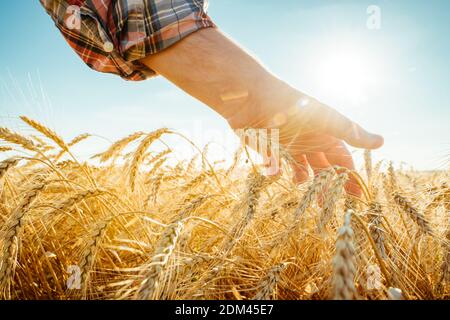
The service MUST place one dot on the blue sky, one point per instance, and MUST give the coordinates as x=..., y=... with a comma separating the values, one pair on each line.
x=398, y=84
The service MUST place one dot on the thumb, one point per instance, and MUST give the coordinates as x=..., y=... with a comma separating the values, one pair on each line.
x=357, y=137
x=334, y=123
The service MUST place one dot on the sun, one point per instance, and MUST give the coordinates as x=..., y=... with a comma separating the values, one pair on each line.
x=346, y=73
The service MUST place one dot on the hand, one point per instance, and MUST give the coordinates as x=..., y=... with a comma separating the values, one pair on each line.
x=314, y=135
x=215, y=70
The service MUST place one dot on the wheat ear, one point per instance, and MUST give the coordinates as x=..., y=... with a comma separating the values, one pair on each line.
x=441, y=197
x=196, y=180
x=159, y=156
x=392, y=177
x=317, y=186
x=152, y=272
x=332, y=196
x=375, y=228
x=5, y=149
x=118, y=146
x=45, y=131
x=10, y=235
x=156, y=166
x=7, y=164
x=368, y=164
x=4, y=212
x=156, y=184
x=89, y=255
x=413, y=213
x=268, y=284
x=16, y=138
x=344, y=262
x=255, y=185
x=236, y=157
x=73, y=142
x=68, y=203
x=140, y=151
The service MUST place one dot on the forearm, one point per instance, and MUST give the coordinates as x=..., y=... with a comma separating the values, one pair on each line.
x=213, y=69
x=216, y=71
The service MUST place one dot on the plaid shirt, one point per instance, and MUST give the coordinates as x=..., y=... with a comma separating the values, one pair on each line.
x=112, y=35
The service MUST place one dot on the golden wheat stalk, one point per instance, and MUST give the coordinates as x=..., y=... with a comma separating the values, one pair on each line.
x=317, y=186
x=331, y=198
x=236, y=157
x=15, y=138
x=68, y=203
x=73, y=142
x=4, y=212
x=40, y=142
x=155, y=184
x=205, y=282
x=78, y=139
x=392, y=178
x=140, y=151
x=152, y=271
x=413, y=213
x=7, y=164
x=155, y=167
x=442, y=197
x=268, y=284
x=65, y=164
x=191, y=165
x=197, y=259
x=255, y=185
x=5, y=149
x=10, y=235
x=190, y=263
x=388, y=191
x=375, y=228
x=45, y=131
x=350, y=202
x=192, y=206
x=159, y=156
x=196, y=180
x=344, y=269
x=118, y=146
x=88, y=258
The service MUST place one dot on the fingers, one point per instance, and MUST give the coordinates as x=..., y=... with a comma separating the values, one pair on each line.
x=357, y=137
x=340, y=156
x=332, y=122
x=317, y=161
x=300, y=169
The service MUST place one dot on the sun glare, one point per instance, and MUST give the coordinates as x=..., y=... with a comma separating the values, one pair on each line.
x=346, y=74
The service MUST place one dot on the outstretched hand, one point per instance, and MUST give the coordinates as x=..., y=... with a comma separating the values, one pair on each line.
x=314, y=135
x=217, y=71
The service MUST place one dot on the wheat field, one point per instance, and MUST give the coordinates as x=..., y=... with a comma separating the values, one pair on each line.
x=136, y=225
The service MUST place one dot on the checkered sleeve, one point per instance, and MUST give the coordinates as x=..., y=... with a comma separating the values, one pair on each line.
x=113, y=35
